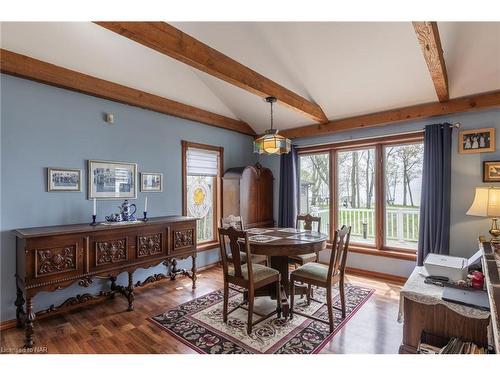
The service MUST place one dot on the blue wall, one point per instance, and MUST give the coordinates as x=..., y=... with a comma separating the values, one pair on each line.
x=466, y=175
x=43, y=126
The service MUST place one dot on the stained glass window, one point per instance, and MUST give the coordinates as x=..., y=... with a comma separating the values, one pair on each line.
x=202, y=174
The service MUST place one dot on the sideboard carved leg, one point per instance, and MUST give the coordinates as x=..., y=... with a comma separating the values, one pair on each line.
x=173, y=269
x=20, y=314
x=113, y=285
x=193, y=271
x=130, y=292
x=30, y=317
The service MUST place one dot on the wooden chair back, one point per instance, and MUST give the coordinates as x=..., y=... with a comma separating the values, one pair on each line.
x=232, y=241
x=340, y=246
x=232, y=221
x=308, y=221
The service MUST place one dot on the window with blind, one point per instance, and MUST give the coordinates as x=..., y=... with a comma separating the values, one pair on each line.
x=202, y=165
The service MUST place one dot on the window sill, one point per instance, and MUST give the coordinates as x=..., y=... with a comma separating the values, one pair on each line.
x=394, y=254
x=207, y=246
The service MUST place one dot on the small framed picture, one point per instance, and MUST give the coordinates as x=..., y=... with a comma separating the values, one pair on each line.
x=476, y=140
x=491, y=171
x=64, y=179
x=151, y=182
x=112, y=180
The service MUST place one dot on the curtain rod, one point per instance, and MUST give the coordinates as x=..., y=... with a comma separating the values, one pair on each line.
x=456, y=125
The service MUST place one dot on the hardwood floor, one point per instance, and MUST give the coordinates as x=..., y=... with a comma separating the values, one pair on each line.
x=107, y=327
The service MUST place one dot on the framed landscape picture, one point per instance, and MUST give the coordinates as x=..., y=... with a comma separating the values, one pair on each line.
x=476, y=140
x=112, y=180
x=64, y=179
x=151, y=182
x=491, y=171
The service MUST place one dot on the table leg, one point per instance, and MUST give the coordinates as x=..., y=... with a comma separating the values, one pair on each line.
x=281, y=264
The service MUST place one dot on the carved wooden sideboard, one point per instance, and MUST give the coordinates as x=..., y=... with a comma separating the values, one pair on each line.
x=52, y=258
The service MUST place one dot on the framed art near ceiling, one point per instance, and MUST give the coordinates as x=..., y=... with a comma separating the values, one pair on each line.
x=475, y=141
x=151, y=182
x=491, y=171
x=64, y=179
x=112, y=180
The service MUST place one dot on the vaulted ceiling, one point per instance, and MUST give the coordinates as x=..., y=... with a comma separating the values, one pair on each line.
x=347, y=68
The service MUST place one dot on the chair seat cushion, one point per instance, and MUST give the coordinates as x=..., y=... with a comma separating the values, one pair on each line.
x=312, y=271
x=304, y=258
x=260, y=272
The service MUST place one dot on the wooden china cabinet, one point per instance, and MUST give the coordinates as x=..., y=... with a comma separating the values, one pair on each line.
x=248, y=192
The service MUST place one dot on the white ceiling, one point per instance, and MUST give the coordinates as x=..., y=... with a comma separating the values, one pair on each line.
x=347, y=68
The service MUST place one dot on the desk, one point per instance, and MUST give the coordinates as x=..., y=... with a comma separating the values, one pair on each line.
x=280, y=249
x=423, y=309
x=491, y=269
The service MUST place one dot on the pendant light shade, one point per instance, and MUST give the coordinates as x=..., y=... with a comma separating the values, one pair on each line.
x=271, y=142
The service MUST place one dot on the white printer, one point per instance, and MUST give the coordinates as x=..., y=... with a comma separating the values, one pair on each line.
x=454, y=268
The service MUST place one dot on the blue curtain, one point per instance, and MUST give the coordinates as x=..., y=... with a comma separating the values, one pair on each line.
x=288, y=193
x=434, y=234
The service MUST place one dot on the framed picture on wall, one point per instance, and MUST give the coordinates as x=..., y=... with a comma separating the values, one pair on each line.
x=151, y=182
x=491, y=171
x=112, y=180
x=64, y=179
x=475, y=141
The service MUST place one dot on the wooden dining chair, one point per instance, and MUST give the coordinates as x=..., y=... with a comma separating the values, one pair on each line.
x=232, y=221
x=249, y=276
x=324, y=276
x=308, y=221
x=237, y=223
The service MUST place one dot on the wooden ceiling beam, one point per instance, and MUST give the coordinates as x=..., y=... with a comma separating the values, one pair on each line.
x=174, y=43
x=417, y=112
x=428, y=37
x=26, y=67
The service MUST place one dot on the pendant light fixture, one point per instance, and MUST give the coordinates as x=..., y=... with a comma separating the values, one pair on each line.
x=271, y=143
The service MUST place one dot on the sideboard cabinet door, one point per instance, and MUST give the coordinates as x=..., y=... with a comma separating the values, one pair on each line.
x=54, y=258
x=183, y=238
x=110, y=250
x=151, y=242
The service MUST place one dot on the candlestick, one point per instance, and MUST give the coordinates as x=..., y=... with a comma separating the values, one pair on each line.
x=95, y=207
x=93, y=220
x=146, y=204
x=145, y=218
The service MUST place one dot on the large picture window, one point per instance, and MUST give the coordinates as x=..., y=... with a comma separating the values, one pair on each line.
x=202, y=166
x=373, y=186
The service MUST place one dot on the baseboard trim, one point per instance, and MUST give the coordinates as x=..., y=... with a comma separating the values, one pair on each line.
x=8, y=324
x=208, y=266
x=376, y=275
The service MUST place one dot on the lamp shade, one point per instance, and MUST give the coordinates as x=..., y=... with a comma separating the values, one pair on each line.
x=272, y=143
x=486, y=202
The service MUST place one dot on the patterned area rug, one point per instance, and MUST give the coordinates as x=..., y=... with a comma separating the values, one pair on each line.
x=198, y=324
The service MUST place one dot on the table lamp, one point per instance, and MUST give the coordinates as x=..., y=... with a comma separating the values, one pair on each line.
x=487, y=204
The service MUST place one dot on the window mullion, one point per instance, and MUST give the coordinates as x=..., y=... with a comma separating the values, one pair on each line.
x=380, y=193
x=333, y=194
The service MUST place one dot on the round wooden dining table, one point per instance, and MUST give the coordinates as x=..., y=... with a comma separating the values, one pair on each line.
x=279, y=244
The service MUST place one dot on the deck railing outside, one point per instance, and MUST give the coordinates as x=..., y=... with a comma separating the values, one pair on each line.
x=401, y=224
